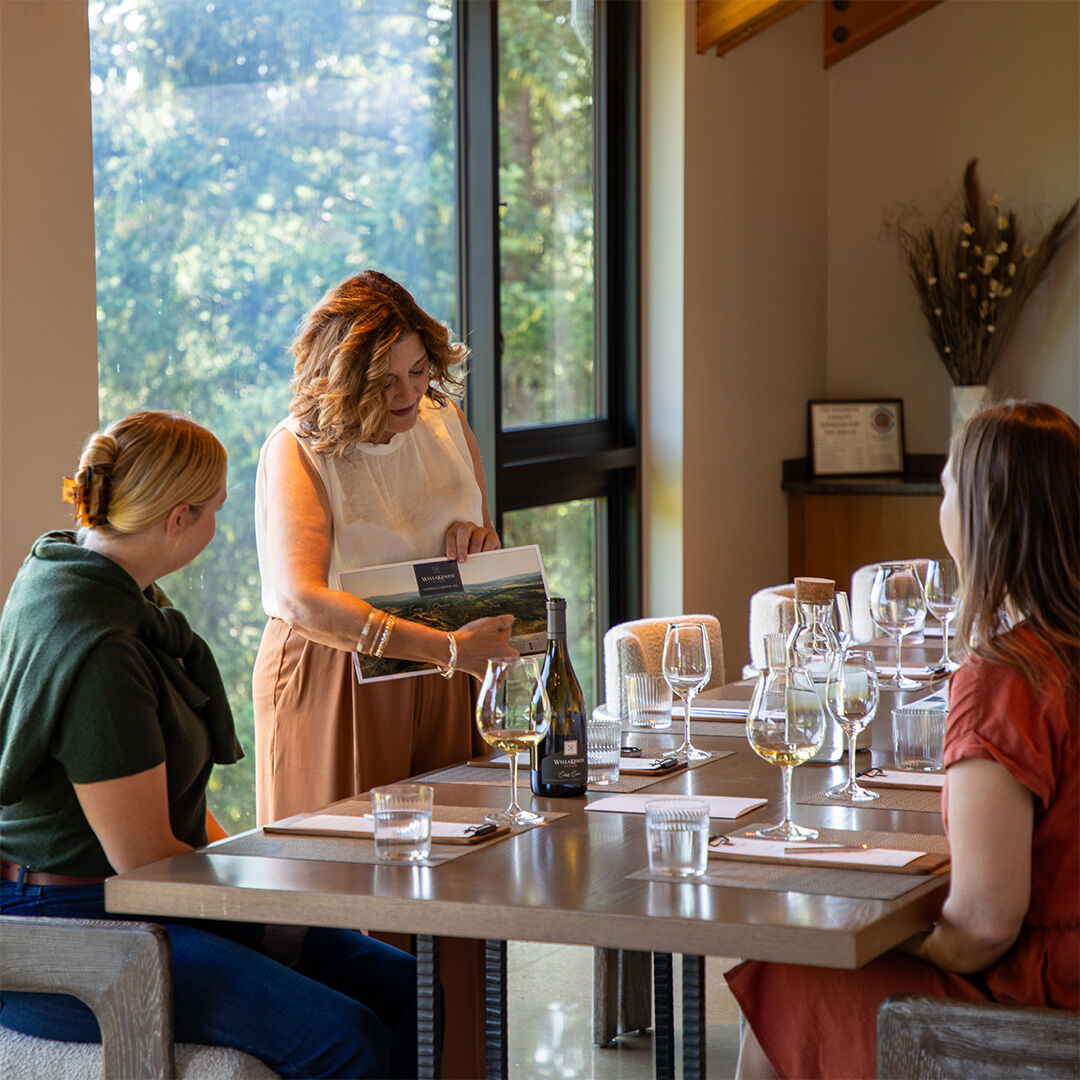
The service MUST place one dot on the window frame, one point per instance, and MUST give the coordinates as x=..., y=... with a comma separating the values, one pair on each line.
x=596, y=458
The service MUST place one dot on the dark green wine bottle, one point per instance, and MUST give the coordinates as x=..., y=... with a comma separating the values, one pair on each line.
x=559, y=765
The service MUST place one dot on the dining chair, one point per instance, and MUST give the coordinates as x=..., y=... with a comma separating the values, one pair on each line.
x=772, y=611
x=123, y=971
x=622, y=978
x=926, y=1038
x=637, y=647
x=862, y=625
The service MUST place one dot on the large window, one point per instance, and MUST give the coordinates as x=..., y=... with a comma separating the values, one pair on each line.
x=557, y=411
x=248, y=154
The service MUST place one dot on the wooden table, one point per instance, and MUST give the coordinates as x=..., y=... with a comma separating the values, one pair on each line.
x=563, y=883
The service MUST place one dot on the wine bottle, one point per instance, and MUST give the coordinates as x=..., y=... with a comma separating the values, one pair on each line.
x=559, y=765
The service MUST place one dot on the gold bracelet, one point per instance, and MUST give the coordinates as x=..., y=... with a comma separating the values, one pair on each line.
x=362, y=640
x=448, y=671
x=384, y=637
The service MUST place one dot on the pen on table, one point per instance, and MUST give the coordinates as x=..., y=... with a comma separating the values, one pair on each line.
x=801, y=850
x=666, y=762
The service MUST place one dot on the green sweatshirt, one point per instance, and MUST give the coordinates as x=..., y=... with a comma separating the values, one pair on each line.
x=98, y=681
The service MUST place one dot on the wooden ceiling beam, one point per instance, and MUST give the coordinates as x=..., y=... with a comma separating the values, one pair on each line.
x=723, y=24
x=851, y=24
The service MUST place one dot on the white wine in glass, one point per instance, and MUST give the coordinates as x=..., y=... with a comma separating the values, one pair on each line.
x=898, y=608
x=942, y=591
x=851, y=696
x=687, y=667
x=785, y=726
x=513, y=714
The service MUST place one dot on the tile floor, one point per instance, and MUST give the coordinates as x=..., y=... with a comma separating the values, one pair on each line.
x=550, y=1020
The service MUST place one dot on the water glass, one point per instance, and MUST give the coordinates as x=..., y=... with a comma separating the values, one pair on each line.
x=678, y=836
x=603, y=739
x=919, y=739
x=648, y=702
x=402, y=814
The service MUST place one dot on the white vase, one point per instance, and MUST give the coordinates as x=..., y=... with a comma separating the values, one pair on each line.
x=966, y=401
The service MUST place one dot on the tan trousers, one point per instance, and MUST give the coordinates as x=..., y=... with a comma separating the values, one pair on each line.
x=321, y=736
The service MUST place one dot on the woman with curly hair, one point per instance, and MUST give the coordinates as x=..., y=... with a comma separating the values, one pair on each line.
x=375, y=464
x=1009, y=929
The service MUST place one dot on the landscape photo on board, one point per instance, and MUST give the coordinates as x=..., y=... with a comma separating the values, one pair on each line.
x=509, y=581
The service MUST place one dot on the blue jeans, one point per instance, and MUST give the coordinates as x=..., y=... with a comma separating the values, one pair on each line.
x=346, y=1008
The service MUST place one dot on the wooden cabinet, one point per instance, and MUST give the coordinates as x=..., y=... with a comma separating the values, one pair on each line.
x=834, y=527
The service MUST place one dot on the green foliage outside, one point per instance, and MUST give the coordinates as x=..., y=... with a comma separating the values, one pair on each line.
x=249, y=154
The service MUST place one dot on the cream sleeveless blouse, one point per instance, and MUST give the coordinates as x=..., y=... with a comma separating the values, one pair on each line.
x=389, y=502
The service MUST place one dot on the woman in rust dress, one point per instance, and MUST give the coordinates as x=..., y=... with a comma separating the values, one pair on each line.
x=1009, y=929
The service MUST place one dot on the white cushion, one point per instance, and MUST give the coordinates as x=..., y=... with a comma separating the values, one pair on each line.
x=862, y=626
x=24, y=1057
x=772, y=611
x=637, y=647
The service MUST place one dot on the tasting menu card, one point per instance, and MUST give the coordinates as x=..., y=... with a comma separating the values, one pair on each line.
x=720, y=806
x=447, y=594
x=357, y=827
x=826, y=855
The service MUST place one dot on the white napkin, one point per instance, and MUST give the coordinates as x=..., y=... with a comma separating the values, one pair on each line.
x=780, y=849
x=921, y=671
x=720, y=806
x=899, y=778
x=637, y=765
x=939, y=699
x=504, y=759
x=733, y=710
x=342, y=823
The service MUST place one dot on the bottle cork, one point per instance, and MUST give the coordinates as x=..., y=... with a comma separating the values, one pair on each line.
x=814, y=590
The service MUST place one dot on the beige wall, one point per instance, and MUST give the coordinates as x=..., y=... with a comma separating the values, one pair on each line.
x=791, y=291
x=756, y=139
x=996, y=80
x=48, y=332
x=663, y=170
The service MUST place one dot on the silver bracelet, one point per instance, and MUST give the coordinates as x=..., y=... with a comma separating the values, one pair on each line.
x=448, y=671
x=361, y=644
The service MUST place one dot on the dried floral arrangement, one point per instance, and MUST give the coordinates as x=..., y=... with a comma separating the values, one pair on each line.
x=973, y=273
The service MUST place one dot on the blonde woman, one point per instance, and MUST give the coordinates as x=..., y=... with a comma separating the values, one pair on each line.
x=1009, y=929
x=112, y=715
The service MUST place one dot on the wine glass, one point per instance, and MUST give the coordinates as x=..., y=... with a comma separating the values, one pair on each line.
x=513, y=714
x=786, y=726
x=898, y=607
x=942, y=591
x=687, y=667
x=844, y=633
x=851, y=696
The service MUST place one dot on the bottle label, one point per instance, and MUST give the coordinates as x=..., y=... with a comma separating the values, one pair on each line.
x=568, y=767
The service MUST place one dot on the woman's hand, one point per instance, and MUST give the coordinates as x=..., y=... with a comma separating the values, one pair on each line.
x=465, y=538
x=481, y=639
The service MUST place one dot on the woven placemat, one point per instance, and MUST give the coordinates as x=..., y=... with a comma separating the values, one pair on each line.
x=362, y=849
x=770, y=877
x=855, y=884
x=926, y=802
x=472, y=774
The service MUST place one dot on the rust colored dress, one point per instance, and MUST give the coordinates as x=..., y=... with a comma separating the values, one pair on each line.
x=819, y=1022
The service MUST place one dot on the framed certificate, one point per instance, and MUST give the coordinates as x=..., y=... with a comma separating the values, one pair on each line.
x=856, y=438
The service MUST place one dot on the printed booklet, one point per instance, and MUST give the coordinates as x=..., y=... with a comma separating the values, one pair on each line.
x=447, y=594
